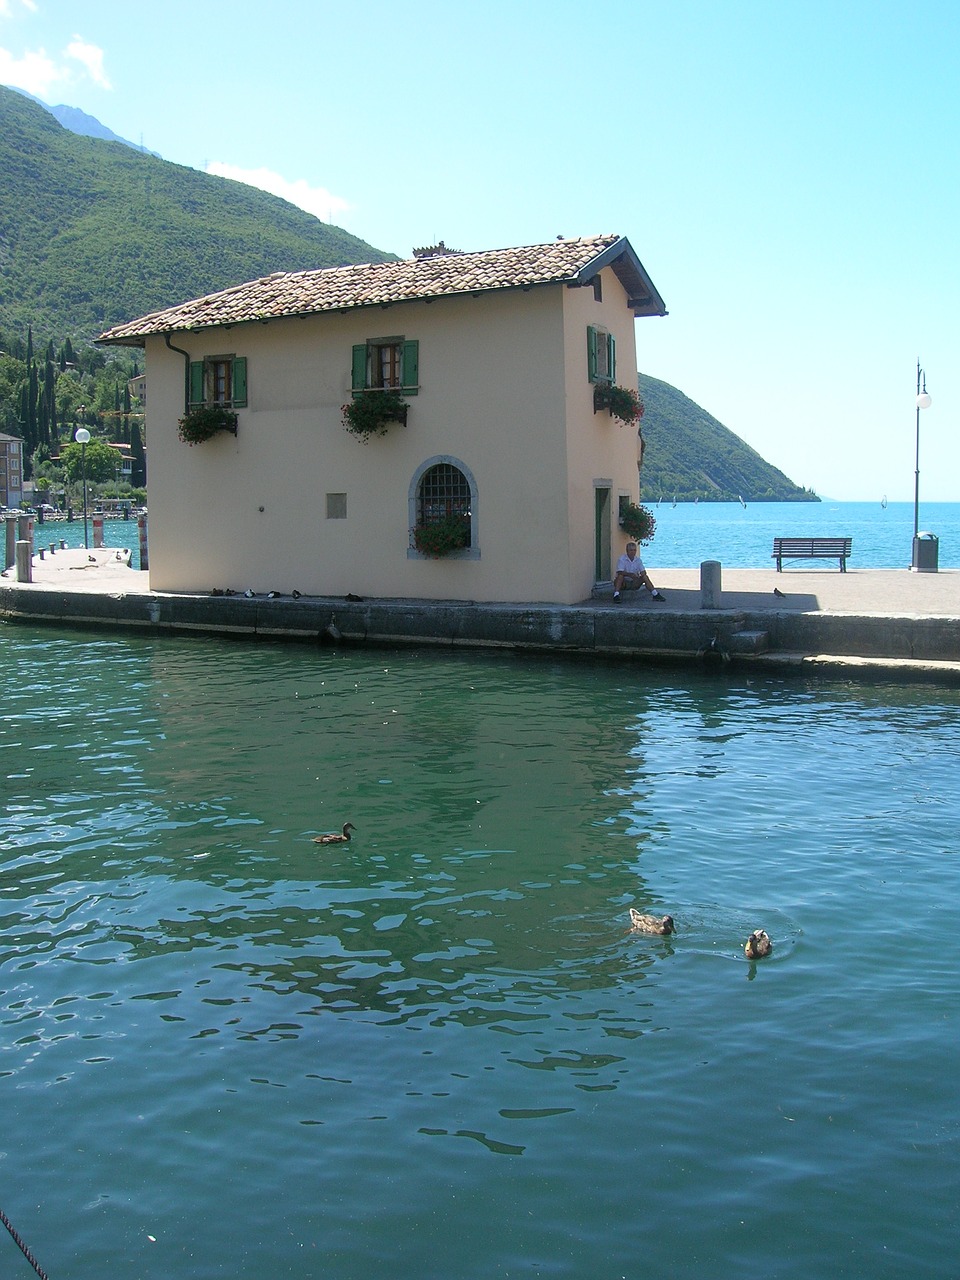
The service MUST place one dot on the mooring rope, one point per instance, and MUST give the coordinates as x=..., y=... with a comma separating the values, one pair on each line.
x=23, y=1247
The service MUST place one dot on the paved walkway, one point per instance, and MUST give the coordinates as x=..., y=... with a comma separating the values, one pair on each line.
x=104, y=570
x=883, y=592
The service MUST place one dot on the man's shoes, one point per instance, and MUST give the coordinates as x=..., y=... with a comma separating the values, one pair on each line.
x=616, y=595
x=657, y=596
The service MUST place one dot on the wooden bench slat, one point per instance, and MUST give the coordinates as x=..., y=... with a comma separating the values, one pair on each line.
x=811, y=549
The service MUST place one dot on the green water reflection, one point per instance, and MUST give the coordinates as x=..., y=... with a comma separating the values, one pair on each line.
x=435, y=1050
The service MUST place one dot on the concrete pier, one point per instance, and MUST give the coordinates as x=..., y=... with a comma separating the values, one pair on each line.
x=887, y=622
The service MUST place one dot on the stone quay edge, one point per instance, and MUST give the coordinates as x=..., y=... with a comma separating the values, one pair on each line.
x=885, y=623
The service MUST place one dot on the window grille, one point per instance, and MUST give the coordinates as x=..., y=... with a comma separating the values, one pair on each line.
x=444, y=491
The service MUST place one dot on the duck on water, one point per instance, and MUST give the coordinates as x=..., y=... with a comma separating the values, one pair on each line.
x=336, y=837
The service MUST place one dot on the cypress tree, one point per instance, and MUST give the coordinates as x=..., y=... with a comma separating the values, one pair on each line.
x=138, y=472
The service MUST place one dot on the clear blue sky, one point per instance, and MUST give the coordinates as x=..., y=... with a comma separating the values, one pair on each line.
x=787, y=171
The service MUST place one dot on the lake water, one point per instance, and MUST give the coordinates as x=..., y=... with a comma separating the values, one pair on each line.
x=742, y=537
x=739, y=537
x=434, y=1052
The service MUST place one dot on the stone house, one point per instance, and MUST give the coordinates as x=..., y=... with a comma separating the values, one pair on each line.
x=499, y=360
x=11, y=471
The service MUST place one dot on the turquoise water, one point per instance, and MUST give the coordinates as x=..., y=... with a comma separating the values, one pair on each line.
x=116, y=533
x=434, y=1051
x=740, y=538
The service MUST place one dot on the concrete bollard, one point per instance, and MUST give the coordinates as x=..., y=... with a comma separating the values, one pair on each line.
x=710, y=584
x=10, y=552
x=97, y=531
x=24, y=561
x=25, y=528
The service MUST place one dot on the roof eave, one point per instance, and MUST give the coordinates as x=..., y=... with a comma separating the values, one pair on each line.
x=642, y=296
x=121, y=342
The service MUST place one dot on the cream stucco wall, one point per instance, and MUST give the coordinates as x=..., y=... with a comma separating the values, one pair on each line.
x=602, y=453
x=503, y=393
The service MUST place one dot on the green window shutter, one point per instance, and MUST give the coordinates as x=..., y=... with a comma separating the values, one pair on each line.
x=612, y=357
x=410, y=369
x=239, y=376
x=359, y=374
x=196, y=382
x=591, y=353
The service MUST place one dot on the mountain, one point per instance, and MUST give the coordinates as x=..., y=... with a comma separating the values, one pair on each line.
x=690, y=455
x=78, y=121
x=95, y=232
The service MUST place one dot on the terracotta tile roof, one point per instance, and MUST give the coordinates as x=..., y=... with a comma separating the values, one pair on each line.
x=297, y=293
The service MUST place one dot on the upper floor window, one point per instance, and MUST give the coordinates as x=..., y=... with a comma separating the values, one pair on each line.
x=601, y=355
x=387, y=364
x=220, y=380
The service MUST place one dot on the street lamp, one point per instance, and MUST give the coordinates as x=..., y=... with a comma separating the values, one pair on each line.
x=924, y=401
x=83, y=438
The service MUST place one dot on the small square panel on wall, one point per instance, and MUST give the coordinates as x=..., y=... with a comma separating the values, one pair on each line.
x=336, y=506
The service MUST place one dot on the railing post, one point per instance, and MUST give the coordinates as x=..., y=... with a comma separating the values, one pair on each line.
x=10, y=551
x=142, y=529
x=24, y=561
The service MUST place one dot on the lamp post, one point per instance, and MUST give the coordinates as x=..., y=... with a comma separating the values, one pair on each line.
x=924, y=400
x=82, y=438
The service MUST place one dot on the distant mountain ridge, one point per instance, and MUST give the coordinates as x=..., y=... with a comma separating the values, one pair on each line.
x=94, y=232
x=692, y=457
x=78, y=121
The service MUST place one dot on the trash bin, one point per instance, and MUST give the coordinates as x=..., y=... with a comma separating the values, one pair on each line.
x=926, y=553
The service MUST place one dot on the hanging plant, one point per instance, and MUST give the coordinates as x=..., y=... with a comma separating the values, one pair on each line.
x=638, y=522
x=369, y=413
x=439, y=537
x=203, y=423
x=622, y=402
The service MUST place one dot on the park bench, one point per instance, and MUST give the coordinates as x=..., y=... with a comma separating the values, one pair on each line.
x=811, y=549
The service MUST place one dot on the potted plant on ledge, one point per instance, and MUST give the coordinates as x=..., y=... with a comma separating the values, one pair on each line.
x=204, y=423
x=369, y=413
x=622, y=402
x=637, y=522
x=439, y=537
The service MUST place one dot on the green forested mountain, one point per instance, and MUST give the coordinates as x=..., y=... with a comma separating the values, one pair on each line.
x=94, y=232
x=690, y=455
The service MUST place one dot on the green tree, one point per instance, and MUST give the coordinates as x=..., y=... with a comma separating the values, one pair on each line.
x=101, y=461
x=138, y=473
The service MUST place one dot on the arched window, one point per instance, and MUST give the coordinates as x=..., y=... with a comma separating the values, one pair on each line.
x=441, y=488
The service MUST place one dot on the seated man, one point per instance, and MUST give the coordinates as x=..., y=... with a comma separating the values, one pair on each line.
x=631, y=574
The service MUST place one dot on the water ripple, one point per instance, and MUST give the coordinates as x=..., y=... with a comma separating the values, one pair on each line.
x=189, y=985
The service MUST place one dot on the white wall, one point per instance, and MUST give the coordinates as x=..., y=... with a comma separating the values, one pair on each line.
x=250, y=511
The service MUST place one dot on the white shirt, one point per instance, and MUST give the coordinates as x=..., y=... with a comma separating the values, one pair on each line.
x=626, y=565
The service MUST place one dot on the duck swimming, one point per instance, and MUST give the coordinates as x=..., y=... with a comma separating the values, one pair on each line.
x=757, y=945
x=336, y=837
x=639, y=923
